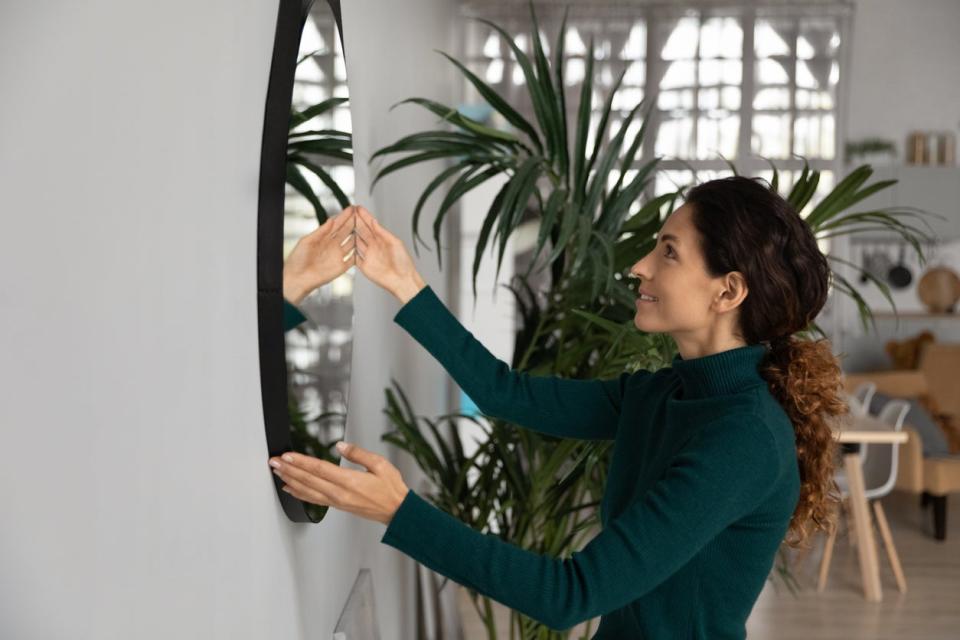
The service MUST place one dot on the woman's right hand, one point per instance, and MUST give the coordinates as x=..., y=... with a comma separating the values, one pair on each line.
x=319, y=257
x=383, y=258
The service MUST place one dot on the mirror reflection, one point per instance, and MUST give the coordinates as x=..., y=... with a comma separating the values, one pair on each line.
x=317, y=287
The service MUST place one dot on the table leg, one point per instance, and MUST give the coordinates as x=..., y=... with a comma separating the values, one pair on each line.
x=866, y=544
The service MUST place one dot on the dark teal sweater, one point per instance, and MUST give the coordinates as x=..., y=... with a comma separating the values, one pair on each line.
x=702, y=483
x=291, y=316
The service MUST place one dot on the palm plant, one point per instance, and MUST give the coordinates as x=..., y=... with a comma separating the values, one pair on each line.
x=590, y=203
x=304, y=147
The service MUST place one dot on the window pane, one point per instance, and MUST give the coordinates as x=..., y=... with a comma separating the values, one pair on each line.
x=772, y=98
x=814, y=135
x=771, y=38
x=717, y=135
x=679, y=74
x=771, y=135
x=681, y=42
x=721, y=38
x=670, y=100
x=673, y=139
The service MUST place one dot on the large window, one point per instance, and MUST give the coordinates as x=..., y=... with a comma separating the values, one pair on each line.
x=731, y=82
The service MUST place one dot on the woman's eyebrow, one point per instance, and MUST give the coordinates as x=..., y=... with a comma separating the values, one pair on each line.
x=669, y=236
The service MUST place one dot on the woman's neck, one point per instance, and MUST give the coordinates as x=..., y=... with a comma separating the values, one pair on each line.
x=705, y=344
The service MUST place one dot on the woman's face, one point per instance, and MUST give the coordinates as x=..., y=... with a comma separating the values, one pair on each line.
x=675, y=273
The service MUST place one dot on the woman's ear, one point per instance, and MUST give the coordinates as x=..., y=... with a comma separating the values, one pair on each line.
x=733, y=293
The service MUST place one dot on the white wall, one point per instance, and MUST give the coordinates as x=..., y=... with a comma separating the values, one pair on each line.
x=135, y=492
x=903, y=69
x=902, y=77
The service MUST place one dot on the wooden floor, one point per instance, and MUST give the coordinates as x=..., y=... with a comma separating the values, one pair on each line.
x=930, y=610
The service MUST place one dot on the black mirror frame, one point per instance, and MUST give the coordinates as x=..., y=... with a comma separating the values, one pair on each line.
x=291, y=17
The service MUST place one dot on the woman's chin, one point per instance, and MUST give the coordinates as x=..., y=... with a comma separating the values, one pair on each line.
x=642, y=323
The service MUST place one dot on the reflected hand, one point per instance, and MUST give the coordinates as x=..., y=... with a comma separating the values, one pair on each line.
x=320, y=256
x=383, y=258
x=374, y=494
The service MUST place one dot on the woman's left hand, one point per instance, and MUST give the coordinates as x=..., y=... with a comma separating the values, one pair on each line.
x=374, y=494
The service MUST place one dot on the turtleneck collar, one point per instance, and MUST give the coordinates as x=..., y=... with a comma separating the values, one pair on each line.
x=720, y=373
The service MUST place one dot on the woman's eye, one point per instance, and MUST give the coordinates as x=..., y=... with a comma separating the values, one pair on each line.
x=669, y=252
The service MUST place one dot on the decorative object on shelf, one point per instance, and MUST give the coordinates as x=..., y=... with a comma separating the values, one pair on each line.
x=899, y=275
x=939, y=289
x=873, y=151
x=931, y=148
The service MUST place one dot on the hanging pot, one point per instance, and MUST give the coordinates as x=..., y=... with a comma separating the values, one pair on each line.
x=899, y=276
x=866, y=266
x=881, y=263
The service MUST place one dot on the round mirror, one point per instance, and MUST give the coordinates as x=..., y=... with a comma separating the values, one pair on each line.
x=306, y=175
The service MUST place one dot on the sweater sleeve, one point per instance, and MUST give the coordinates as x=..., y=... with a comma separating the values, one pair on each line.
x=561, y=407
x=291, y=316
x=723, y=474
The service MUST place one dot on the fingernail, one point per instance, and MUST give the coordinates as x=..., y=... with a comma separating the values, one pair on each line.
x=275, y=464
x=341, y=447
x=287, y=457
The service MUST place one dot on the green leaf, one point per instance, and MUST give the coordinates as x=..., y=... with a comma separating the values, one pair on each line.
x=583, y=128
x=555, y=117
x=607, y=161
x=522, y=188
x=407, y=161
x=327, y=180
x=846, y=187
x=491, y=217
x=456, y=118
x=298, y=118
x=433, y=186
x=533, y=86
x=296, y=180
x=554, y=204
x=496, y=102
x=564, y=153
x=568, y=226
x=601, y=133
x=463, y=184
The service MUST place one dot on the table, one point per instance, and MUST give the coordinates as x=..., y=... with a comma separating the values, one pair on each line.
x=864, y=429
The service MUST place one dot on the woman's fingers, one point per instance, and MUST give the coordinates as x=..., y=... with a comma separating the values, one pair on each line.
x=317, y=475
x=367, y=218
x=357, y=454
x=305, y=493
x=341, y=223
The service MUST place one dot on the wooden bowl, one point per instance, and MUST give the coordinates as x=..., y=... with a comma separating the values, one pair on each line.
x=939, y=289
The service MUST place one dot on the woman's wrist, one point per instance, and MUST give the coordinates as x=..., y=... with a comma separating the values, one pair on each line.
x=408, y=288
x=294, y=292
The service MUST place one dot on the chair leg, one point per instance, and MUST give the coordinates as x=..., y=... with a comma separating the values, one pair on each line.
x=925, y=498
x=940, y=517
x=851, y=527
x=827, y=556
x=888, y=543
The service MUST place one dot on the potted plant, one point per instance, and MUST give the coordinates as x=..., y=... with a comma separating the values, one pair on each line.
x=535, y=491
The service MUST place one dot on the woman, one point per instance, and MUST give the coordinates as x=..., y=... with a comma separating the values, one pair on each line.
x=716, y=459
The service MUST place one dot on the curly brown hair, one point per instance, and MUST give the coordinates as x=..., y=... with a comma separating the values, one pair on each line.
x=746, y=226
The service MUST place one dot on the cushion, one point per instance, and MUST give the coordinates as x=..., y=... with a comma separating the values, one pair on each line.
x=931, y=436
